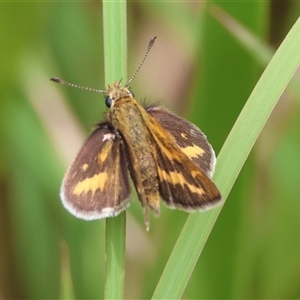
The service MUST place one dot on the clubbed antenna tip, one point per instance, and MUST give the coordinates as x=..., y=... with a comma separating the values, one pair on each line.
x=151, y=43
x=56, y=79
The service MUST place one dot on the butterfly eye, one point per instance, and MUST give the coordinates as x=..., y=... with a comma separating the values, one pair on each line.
x=108, y=101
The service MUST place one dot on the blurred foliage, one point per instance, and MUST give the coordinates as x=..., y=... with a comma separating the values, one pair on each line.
x=196, y=66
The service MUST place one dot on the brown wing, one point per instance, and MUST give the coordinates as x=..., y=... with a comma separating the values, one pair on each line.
x=188, y=137
x=96, y=185
x=182, y=182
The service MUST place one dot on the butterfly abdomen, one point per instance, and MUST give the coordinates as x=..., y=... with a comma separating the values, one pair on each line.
x=128, y=120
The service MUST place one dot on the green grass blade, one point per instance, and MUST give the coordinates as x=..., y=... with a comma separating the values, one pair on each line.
x=67, y=289
x=255, y=45
x=115, y=54
x=115, y=40
x=230, y=161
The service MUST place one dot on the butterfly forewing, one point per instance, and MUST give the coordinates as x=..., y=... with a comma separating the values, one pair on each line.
x=182, y=182
x=97, y=185
x=188, y=137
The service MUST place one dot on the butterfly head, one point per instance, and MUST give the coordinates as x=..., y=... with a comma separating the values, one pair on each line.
x=116, y=91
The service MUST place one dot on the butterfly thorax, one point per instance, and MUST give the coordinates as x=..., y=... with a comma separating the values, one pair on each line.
x=128, y=118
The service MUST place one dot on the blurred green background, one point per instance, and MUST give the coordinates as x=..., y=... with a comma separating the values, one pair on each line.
x=198, y=69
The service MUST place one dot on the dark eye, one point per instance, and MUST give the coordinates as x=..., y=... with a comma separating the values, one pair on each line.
x=108, y=101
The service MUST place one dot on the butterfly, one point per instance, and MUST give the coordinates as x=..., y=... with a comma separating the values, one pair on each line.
x=165, y=155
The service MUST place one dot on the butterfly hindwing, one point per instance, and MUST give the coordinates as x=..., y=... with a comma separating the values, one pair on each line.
x=97, y=185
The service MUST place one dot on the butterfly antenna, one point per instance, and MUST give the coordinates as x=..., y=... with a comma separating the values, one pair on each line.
x=151, y=43
x=61, y=81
